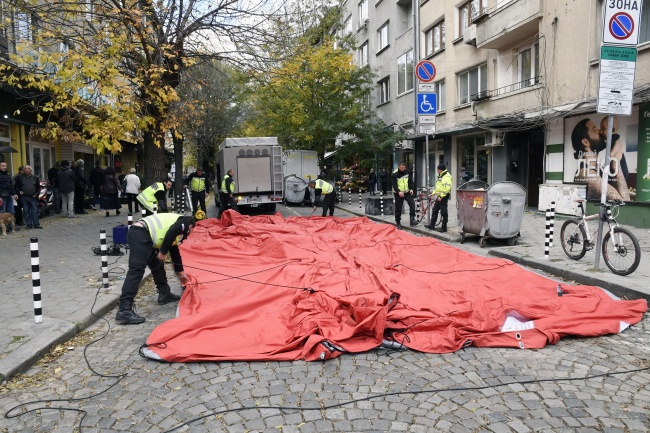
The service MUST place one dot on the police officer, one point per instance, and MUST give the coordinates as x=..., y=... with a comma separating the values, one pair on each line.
x=320, y=187
x=227, y=193
x=150, y=239
x=155, y=194
x=402, y=182
x=199, y=186
x=442, y=190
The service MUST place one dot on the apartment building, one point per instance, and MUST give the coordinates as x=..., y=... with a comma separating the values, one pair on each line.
x=514, y=78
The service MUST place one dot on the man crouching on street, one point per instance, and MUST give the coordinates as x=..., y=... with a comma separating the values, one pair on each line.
x=150, y=239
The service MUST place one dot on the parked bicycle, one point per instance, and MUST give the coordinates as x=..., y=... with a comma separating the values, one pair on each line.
x=423, y=202
x=620, y=248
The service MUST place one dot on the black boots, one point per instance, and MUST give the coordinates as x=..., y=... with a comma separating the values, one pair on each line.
x=126, y=314
x=413, y=222
x=443, y=229
x=166, y=298
x=399, y=225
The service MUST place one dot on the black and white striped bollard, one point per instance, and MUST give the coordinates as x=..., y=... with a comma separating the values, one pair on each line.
x=552, y=223
x=360, y=207
x=547, y=234
x=143, y=212
x=102, y=241
x=349, y=196
x=130, y=220
x=36, y=281
x=155, y=208
x=339, y=193
x=381, y=200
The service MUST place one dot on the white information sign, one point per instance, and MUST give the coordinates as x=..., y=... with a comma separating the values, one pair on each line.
x=426, y=87
x=426, y=119
x=616, y=80
x=428, y=129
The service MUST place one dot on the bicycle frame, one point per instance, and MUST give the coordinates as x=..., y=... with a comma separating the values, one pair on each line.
x=585, y=219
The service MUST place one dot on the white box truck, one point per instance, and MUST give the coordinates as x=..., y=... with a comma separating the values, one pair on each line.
x=257, y=162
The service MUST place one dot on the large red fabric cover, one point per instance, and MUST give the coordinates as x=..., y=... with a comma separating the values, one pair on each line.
x=275, y=288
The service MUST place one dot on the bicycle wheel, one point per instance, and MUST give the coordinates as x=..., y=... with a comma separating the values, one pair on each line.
x=621, y=251
x=573, y=239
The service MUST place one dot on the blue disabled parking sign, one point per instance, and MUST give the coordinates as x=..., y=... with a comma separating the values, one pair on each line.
x=426, y=103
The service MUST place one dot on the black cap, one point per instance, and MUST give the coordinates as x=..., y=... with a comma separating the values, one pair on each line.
x=442, y=167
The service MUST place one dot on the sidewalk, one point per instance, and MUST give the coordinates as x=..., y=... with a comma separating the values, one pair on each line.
x=529, y=250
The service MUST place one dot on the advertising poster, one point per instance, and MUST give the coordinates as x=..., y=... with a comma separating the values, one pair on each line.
x=585, y=140
x=643, y=157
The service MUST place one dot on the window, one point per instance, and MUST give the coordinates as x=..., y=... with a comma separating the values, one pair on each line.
x=363, y=11
x=441, y=94
x=23, y=27
x=434, y=39
x=405, y=73
x=384, y=90
x=469, y=11
x=644, y=27
x=347, y=26
x=529, y=65
x=363, y=54
x=90, y=10
x=471, y=82
x=382, y=37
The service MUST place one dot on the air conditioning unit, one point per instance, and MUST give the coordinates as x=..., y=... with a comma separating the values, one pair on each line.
x=363, y=24
x=494, y=139
x=469, y=35
x=483, y=94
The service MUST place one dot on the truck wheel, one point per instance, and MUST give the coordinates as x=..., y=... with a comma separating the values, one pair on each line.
x=270, y=208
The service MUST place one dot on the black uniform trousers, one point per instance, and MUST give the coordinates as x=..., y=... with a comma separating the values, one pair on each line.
x=141, y=255
x=226, y=202
x=399, y=202
x=198, y=197
x=328, y=203
x=440, y=206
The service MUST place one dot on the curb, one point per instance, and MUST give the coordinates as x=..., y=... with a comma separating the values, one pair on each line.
x=55, y=332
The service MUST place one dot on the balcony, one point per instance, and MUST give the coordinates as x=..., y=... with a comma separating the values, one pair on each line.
x=508, y=23
x=510, y=88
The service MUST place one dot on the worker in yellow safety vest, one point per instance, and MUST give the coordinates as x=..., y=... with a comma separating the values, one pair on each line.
x=227, y=193
x=150, y=240
x=155, y=194
x=402, y=182
x=319, y=187
x=443, y=191
x=199, y=186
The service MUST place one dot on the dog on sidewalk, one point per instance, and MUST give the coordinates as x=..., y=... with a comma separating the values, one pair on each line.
x=6, y=219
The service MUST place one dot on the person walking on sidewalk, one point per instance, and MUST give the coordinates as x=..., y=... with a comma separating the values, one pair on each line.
x=132, y=190
x=402, y=182
x=372, y=181
x=150, y=240
x=319, y=187
x=80, y=187
x=18, y=208
x=7, y=192
x=110, y=191
x=53, y=179
x=383, y=178
x=67, y=180
x=199, y=186
x=28, y=186
x=96, y=180
x=443, y=191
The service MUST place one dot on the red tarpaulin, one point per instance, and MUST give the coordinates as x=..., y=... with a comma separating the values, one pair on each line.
x=275, y=288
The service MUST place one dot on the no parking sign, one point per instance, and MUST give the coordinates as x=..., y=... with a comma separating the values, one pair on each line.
x=621, y=22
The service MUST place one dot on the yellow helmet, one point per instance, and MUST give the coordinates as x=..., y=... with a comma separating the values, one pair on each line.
x=199, y=215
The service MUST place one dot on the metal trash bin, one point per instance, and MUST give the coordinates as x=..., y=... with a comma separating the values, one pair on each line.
x=295, y=189
x=495, y=211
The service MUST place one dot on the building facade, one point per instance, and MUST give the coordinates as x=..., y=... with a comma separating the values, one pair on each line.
x=514, y=79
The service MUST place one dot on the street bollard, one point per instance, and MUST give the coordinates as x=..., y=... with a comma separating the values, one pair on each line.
x=350, y=197
x=36, y=280
x=360, y=199
x=547, y=234
x=104, y=248
x=130, y=220
x=143, y=212
x=550, y=244
x=381, y=200
x=155, y=208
